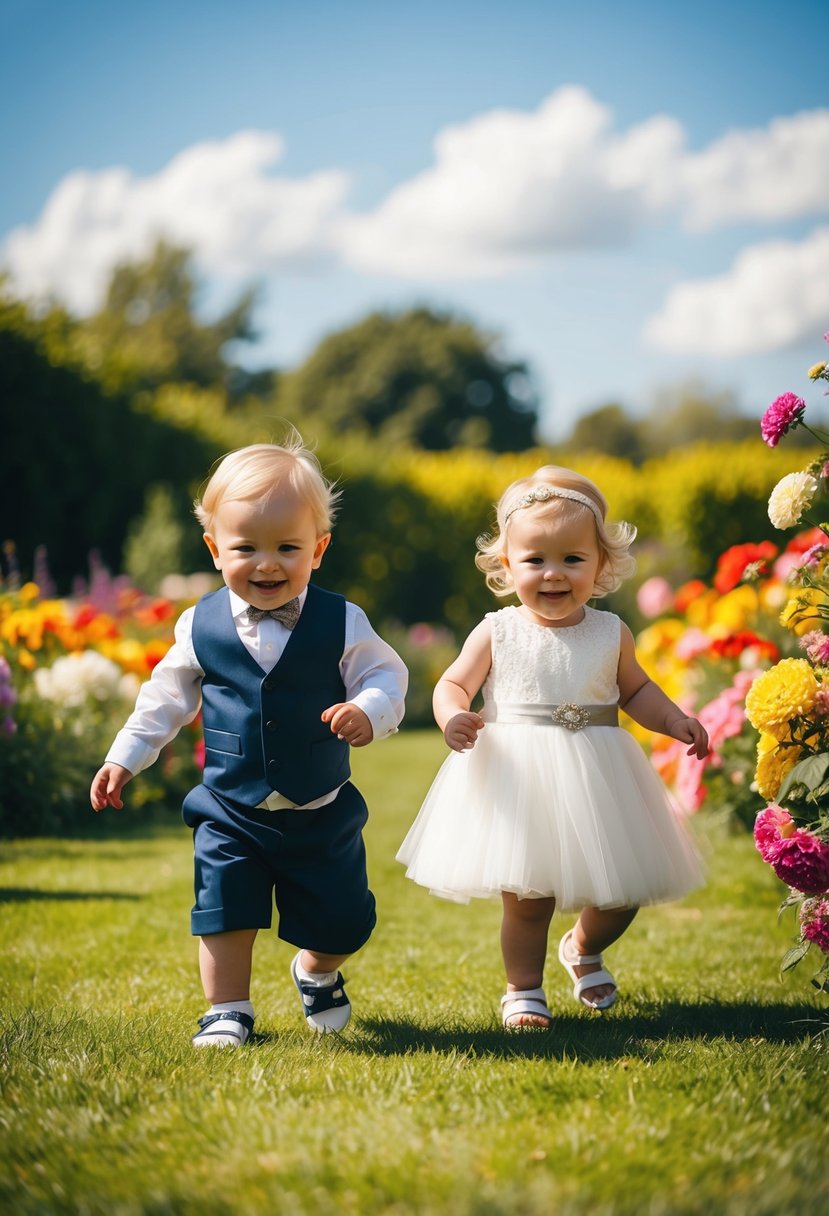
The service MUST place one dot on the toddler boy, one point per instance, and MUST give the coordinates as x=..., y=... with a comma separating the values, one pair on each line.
x=288, y=677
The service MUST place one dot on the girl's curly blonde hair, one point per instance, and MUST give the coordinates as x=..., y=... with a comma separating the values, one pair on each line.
x=561, y=493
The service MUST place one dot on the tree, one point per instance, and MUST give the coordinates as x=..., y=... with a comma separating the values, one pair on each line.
x=608, y=429
x=418, y=378
x=147, y=332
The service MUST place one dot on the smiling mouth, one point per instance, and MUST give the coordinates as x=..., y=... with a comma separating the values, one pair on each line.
x=269, y=586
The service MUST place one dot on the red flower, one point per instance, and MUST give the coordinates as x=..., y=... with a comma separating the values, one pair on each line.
x=733, y=563
x=802, y=861
x=733, y=644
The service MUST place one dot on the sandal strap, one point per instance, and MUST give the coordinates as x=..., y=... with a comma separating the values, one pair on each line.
x=318, y=1000
x=593, y=979
x=529, y=994
x=235, y=1023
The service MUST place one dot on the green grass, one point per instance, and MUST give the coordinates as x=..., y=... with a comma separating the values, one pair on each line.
x=703, y=1090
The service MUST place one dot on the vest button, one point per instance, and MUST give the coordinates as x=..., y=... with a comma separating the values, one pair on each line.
x=268, y=685
x=271, y=725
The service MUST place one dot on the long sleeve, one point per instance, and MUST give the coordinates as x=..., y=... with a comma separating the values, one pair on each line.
x=168, y=701
x=375, y=677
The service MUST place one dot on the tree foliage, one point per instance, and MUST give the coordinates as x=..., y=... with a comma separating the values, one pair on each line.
x=420, y=379
x=148, y=333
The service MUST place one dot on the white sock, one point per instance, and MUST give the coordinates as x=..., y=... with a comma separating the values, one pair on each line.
x=231, y=1006
x=320, y=979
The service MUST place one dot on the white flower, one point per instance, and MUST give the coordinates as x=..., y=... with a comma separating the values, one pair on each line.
x=75, y=677
x=790, y=498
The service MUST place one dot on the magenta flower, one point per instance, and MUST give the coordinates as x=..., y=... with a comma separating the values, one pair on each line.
x=814, y=922
x=784, y=412
x=801, y=861
x=770, y=827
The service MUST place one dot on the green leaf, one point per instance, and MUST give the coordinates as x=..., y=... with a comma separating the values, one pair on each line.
x=792, y=957
x=810, y=773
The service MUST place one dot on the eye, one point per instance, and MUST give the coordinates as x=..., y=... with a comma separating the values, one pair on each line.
x=286, y=548
x=573, y=559
x=243, y=548
x=534, y=561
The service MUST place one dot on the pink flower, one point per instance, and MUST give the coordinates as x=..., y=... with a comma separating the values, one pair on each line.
x=769, y=829
x=654, y=597
x=802, y=861
x=814, y=922
x=692, y=643
x=784, y=412
x=814, y=553
x=816, y=645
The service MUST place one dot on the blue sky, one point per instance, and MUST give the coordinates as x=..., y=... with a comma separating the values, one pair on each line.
x=628, y=195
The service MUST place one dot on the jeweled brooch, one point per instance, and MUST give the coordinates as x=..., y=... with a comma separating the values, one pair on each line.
x=573, y=717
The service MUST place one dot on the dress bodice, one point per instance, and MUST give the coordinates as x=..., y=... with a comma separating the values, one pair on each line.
x=540, y=664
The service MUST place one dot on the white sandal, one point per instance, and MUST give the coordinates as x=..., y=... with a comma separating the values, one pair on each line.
x=593, y=979
x=533, y=1002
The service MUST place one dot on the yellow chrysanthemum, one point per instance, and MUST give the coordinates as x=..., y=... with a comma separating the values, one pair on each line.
x=737, y=609
x=773, y=763
x=785, y=691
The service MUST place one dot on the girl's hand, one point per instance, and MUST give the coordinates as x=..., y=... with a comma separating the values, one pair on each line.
x=689, y=730
x=461, y=731
x=349, y=722
x=107, y=785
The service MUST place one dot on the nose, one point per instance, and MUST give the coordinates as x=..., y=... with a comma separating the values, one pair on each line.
x=268, y=561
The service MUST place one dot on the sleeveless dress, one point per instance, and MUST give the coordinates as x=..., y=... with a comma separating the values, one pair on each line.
x=542, y=810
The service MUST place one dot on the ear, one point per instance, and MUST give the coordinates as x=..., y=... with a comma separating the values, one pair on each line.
x=322, y=544
x=214, y=549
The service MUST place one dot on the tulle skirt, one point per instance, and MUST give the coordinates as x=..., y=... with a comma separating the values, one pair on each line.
x=544, y=811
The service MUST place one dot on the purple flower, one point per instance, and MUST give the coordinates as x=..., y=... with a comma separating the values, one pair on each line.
x=801, y=861
x=784, y=412
x=814, y=922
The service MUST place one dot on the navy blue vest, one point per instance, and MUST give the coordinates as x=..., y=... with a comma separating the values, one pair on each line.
x=262, y=732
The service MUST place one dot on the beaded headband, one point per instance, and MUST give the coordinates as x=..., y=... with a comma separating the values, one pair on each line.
x=545, y=493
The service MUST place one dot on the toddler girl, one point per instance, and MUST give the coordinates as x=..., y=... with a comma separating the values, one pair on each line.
x=545, y=801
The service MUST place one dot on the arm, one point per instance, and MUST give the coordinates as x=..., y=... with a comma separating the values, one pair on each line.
x=457, y=687
x=169, y=700
x=648, y=705
x=376, y=681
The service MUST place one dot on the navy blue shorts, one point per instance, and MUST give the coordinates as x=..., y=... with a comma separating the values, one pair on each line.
x=311, y=863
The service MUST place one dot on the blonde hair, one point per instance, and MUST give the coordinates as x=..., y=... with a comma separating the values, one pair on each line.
x=563, y=493
x=262, y=468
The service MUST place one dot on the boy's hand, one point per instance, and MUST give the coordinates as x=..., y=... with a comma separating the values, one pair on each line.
x=461, y=731
x=107, y=785
x=349, y=722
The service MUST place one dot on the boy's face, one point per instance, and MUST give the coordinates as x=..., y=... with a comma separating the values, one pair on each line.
x=266, y=550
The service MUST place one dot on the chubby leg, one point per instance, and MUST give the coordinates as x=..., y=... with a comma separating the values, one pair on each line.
x=594, y=931
x=321, y=964
x=524, y=928
x=225, y=965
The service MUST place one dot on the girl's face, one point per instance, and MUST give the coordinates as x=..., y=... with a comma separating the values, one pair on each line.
x=554, y=560
x=266, y=549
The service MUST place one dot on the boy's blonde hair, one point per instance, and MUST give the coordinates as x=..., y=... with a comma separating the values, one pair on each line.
x=258, y=470
x=539, y=492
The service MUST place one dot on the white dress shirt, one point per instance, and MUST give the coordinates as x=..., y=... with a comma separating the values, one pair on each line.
x=374, y=675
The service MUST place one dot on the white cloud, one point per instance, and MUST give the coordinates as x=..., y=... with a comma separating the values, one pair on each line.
x=780, y=172
x=505, y=190
x=216, y=198
x=510, y=185
x=774, y=296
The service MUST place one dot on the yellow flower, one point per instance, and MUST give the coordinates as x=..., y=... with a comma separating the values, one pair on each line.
x=815, y=372
x=736, y=609
x=773, y=763
x=785, y=691
x=801, y=613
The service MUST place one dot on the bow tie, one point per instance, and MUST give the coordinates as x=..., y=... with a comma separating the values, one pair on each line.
x=287, y=614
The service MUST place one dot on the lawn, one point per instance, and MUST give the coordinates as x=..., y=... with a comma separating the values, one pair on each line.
x=702, y=1090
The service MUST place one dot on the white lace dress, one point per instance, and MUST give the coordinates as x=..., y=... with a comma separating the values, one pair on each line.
x=539, y=809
